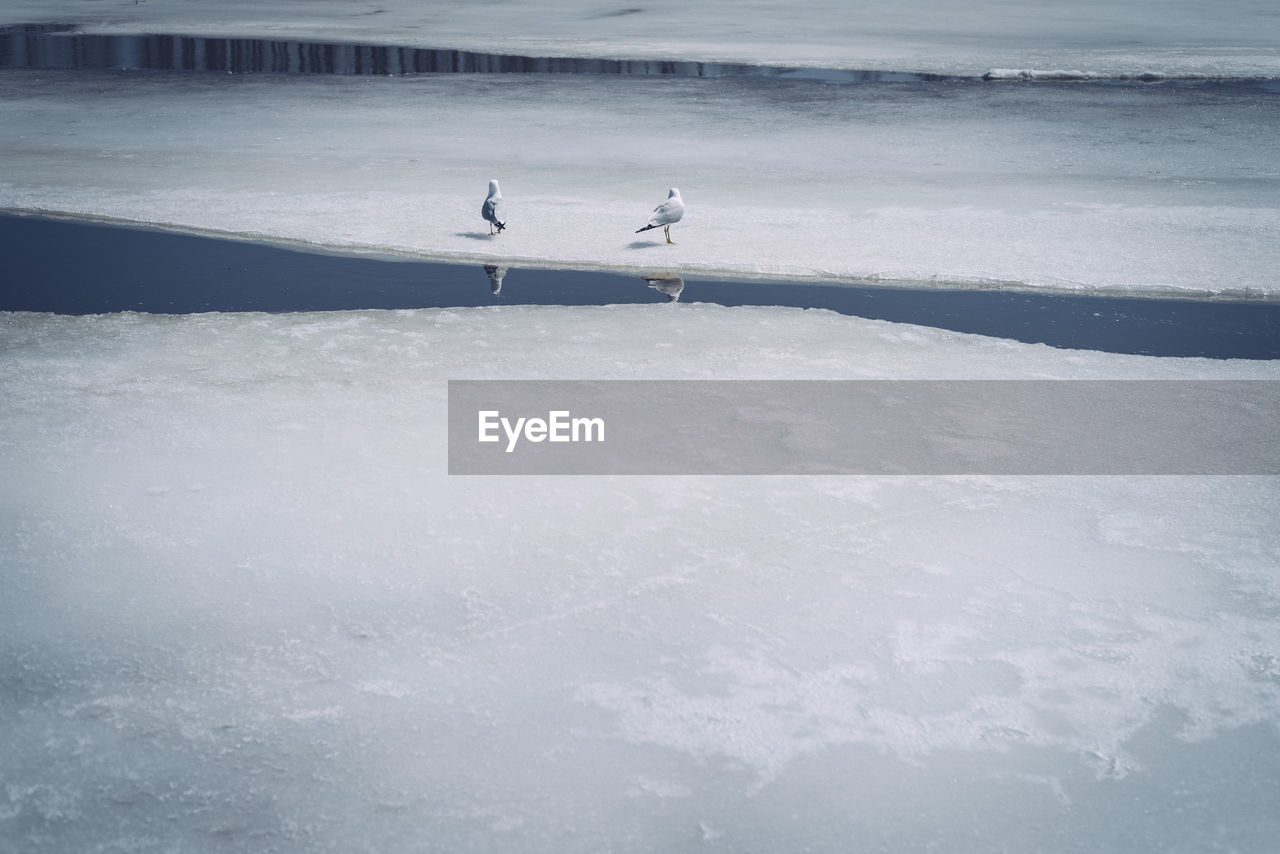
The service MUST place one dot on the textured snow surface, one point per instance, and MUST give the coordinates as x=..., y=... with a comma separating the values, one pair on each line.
x=245, y=607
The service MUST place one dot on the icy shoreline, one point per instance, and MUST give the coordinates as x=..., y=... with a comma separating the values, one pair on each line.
x=934, y=283
x=1122, y=189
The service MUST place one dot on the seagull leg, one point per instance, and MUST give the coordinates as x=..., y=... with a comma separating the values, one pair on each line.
x=666, y=229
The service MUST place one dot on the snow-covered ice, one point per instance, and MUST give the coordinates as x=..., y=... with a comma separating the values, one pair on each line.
x=245, y=607
x=1168, y=188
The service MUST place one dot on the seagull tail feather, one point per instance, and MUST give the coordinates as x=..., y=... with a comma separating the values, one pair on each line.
x=646, y=228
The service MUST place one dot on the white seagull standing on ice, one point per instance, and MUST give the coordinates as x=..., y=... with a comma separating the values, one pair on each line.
x=493, y=209
x=669, y=212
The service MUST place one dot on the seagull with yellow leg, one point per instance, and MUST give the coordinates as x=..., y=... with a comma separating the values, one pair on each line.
x=666, y=214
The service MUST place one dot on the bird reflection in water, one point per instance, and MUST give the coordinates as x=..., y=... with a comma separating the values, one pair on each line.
x=495, y=274
x=672, y=286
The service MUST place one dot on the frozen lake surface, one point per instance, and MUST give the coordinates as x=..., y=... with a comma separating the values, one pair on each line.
x=81, y=268
x=246, y=608
x=918, y=178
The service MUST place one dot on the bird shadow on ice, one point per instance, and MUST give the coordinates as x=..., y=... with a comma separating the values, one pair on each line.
x=644, y=244
x=475, y=235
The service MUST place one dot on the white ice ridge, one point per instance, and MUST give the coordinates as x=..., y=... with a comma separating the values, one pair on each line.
x=1062, y=74
x=1105, y=188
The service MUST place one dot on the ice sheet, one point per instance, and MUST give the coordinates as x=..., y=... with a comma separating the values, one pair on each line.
x=1132, y=188
x=245, y=607
x=973, y=184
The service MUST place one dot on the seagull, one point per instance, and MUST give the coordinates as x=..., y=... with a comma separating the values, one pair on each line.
x=493, y=210
x=669, y=212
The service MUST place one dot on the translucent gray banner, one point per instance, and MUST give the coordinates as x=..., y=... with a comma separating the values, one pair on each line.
x=923, y=427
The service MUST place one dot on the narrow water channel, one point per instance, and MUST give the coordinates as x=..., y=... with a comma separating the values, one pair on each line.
x=72, y=267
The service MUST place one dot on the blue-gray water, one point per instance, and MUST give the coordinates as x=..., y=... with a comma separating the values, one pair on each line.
x=71, y=267
x=59, y=46
x=44, y=45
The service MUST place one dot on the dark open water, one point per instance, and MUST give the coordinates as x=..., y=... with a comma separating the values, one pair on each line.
x=60, y=46
x=73, y=267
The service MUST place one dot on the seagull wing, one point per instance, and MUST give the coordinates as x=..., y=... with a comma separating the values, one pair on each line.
x=672, y=210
